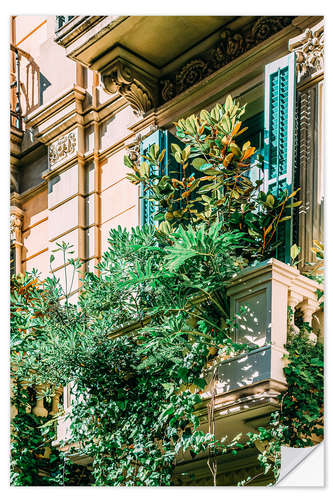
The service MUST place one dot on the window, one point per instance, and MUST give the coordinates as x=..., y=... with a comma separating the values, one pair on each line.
x=280, y=87
x=270, y=131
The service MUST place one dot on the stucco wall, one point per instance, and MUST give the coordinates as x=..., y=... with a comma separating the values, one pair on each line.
x=35, y=234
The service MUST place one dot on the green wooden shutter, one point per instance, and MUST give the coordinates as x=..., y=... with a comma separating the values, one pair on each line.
x=280, y=91
x=173, y=168
x=148, y=208
x=164, y=139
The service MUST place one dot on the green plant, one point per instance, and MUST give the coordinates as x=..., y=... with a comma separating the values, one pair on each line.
x=144, y=331
x=300, y=420
x=161, y=363
x=212, y=181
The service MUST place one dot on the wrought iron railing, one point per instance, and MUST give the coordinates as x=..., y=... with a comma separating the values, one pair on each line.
x=15, y=108
x=61, y=21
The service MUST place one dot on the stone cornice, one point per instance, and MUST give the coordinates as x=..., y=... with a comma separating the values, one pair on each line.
x=60, y=114
x=75, y=28
x=16, y=137
x=230, y=46
x=139, y=84
x=248, y=71
x=79, y=26
x=18, y=199
x=47, y=175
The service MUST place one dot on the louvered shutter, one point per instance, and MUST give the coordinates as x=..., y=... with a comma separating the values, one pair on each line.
x=280, y=90
x=148, y=208
x=164, y=139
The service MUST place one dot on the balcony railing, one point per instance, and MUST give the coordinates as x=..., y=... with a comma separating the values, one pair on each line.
x=15, y=87
x=38, y=407
x=253, y=379
x=61, y=21
x=25, y=86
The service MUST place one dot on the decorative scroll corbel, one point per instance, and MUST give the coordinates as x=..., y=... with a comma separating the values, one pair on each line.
x=137, y=87
x=309, y=49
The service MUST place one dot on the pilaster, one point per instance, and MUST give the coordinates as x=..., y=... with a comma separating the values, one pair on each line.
x=16, y=222
x=309, y=50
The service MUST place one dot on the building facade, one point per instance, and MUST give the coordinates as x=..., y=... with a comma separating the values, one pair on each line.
x=85, y=90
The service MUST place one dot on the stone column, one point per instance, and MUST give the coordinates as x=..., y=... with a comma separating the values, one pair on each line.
x=55, y=400
x=39, y=410
x=308, y=308
x=294, y=299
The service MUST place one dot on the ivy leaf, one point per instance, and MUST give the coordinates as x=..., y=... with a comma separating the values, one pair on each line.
x=294, y=251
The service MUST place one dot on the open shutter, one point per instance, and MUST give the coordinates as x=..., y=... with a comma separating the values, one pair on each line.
x=164, y=139
x=280, y=87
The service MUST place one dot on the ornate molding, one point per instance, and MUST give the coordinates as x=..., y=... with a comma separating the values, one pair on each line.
x=136, y=86
x=55, y=118
x=63, y=149
x=309, y=49
x=133, y=148
x=231, y=45
x=133, y=145
x=16, y=221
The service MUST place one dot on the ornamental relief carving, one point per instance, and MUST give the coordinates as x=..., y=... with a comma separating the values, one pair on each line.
x=230, y=46
x=309, y=49
x=133, y=148
x=15, y=225
x=62, y=149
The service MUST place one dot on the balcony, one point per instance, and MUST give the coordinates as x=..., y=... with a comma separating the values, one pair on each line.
x=247, y=385
x=149, y=60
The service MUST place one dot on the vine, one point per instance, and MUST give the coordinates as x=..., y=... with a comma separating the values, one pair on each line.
x=144, y=332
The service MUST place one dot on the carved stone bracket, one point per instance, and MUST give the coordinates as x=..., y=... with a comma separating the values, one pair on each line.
x=62, y=149
x=135, y=85
x=309, y=48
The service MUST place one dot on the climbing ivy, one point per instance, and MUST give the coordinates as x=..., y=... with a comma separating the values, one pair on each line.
x=140, y=343
x=300, y=419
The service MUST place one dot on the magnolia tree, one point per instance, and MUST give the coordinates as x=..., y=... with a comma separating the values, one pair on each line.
x=137, y=388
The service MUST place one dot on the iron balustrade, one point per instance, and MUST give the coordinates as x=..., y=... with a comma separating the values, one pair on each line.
x=61, y=21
